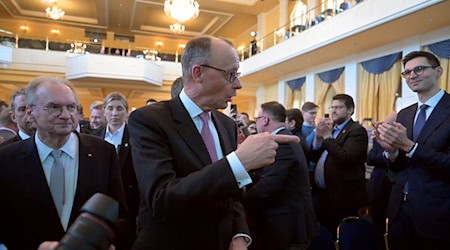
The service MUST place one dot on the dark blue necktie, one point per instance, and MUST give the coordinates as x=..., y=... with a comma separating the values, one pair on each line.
x=421, y=119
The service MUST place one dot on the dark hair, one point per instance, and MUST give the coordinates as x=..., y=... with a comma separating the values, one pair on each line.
x=308, y=106
x=432, y=59
x=296, y=115
x=276, y=111
x=80, y=109
x=243, y=113
x=348, y=100
x=151, y=100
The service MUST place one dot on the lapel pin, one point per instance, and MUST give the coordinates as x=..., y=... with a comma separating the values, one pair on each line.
x=89, y=155
x=126, y=144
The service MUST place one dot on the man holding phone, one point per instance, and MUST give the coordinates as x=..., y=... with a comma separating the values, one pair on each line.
x=339, y=150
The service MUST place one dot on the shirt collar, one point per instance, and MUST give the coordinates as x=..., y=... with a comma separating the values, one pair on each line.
x=277, y=130
x=23, y=135
x=118, y=132
x=340, y=127
x=69, y=147
x=433, y=101
x=191, y=107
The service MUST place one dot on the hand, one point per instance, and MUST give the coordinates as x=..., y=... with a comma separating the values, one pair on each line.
x=48, y=245
x=259, y=150
x=240, y=138
x=324, y=128
x=393, y=135
x=238, y=243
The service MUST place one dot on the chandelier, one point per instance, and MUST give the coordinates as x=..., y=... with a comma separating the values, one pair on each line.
x=55, y=12
x=181, y=10
x=177, y=28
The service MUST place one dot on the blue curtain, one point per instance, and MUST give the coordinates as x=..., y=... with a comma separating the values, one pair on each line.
x=296, y=83
x=381, y=64
x=331, y=76
x=441, y=49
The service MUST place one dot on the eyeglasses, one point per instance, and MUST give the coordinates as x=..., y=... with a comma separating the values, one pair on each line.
x=259, y=117
x=417, y=71
x=56, y=110
x=337, y=107
x=231, y=75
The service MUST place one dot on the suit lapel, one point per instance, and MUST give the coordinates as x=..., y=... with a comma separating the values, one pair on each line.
x=345, y=130
x=224, y=133
x=35, y=176
x=85, y=177
x=439, y=114
x=124, y=148
x=187, y=130
x=409, y=120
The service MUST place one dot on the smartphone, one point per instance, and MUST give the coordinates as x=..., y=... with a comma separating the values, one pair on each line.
x=326, y=115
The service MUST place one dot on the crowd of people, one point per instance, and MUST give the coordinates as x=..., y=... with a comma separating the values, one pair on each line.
x=187, y=176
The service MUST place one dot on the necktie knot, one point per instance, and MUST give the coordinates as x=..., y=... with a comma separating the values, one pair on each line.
x=204, y=117
x=56, y=153
x=423, y=107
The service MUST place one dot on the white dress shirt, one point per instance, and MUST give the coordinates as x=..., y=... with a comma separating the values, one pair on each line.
x=240, y=174
x=116, y=137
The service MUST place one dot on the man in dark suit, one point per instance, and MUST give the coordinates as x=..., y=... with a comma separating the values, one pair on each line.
x=418, y=146
x=36, y=206
x=278, y=203
x=188, y=174
x=340, y=151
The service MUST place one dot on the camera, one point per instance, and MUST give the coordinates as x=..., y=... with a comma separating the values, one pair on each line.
x=95, y=228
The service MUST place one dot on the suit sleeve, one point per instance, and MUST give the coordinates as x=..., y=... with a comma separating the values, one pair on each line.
x=173, y=190
x=352, y=152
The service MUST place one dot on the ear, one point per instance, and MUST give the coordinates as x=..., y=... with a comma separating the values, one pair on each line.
x=13, y=117
x=30, y=114
x=291, y=123
x=439, y=72
x=196, y=73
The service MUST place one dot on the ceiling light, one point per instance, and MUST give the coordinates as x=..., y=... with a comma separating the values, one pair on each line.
x=177, y=28
x=24, y=28
x=55, y=12
x=54, y=31
x=181, y=10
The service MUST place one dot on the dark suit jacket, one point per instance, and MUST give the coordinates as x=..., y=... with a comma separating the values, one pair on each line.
x=344, y=168
x=187, y=200
x=11, y=140
x=129, y=180
x=427, y=173
x=376, y=159
x=279, y=202
x=27, y=212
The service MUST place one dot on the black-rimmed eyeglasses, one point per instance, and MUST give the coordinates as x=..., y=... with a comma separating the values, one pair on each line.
x=417, y=71
x=230, y=75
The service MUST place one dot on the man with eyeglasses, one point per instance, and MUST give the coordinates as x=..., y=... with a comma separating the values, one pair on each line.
x=340, y=151
x=418, y=146
x=190, y=172
x=45, y=179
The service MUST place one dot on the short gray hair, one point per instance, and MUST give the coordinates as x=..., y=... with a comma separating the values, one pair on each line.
x=32, y=87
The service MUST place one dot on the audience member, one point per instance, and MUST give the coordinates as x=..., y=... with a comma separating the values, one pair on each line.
x=278, y=203
x=340, y=151
x=45, y=180
x=294, y=122
x=3, y=107
x=116, y=133
x=418, y=146
x=176, y=87
x=83, y=125
x=192, y=185
x=380, y=184
x=150, y=101
x=97, y=118
x=19, y=115
x=8, y=128
x=252, y=128
x=309, y=112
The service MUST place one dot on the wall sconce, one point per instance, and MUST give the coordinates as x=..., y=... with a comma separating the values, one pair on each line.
x=55, y=31
x=24, y=28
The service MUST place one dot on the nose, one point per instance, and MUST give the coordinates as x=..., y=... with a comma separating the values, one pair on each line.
x=237, y=84
x=64, y=112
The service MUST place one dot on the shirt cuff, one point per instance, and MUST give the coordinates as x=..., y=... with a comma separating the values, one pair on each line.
x=247, y=238
x=391, y=156
x=240, y=174
x=411, y=152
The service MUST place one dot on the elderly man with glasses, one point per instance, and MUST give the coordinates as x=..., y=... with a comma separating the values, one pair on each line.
x=190, y=174
x=418, y=146
x=46, y=179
